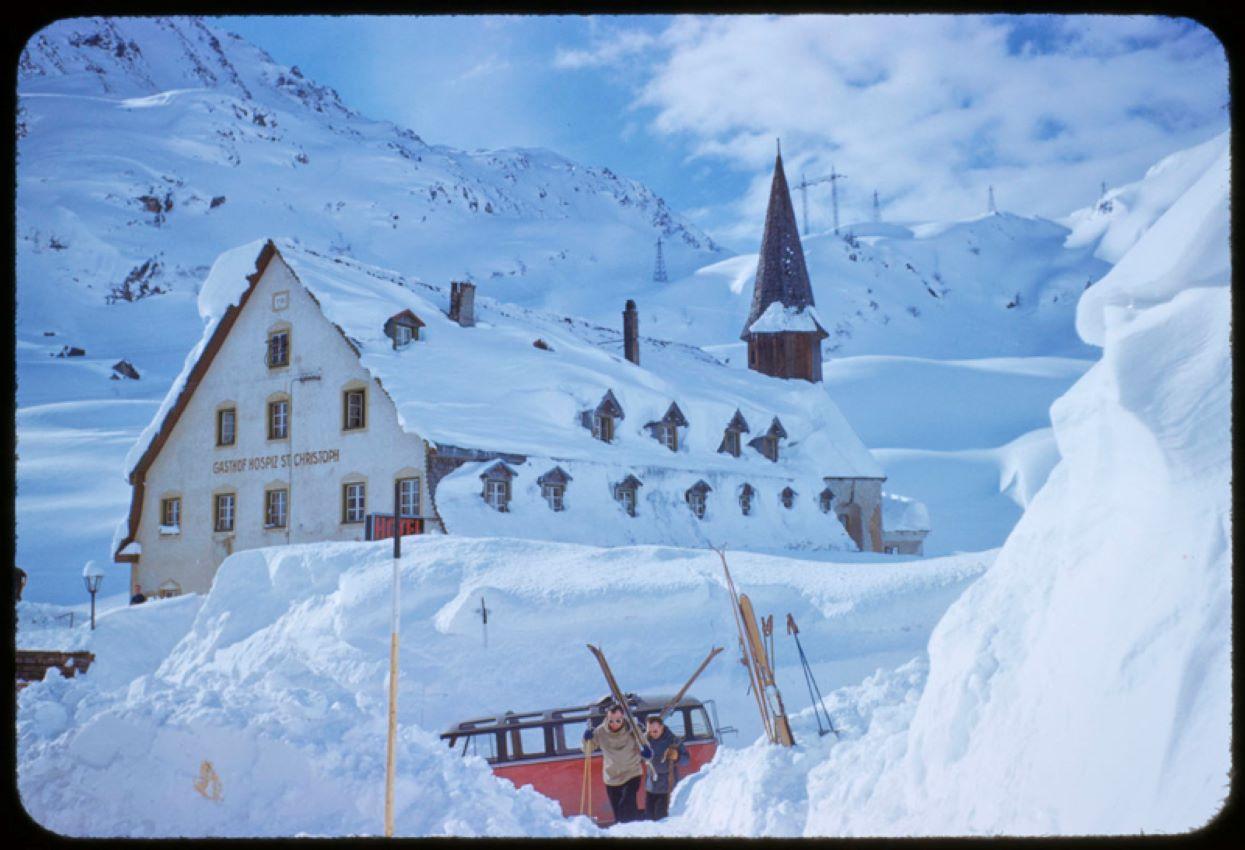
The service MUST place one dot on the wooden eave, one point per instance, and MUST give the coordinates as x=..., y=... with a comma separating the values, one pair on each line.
x=557, y=475
x=609, y=406
x=500, y=469
x=630, y=483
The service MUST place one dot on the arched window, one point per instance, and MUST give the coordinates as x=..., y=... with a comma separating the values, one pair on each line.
x=553, y=488
x=826, y=500
x=601, y=419
x=788, y=497
x=746, y=494
x=497, y=486
x=696, y=498
x=626, y=492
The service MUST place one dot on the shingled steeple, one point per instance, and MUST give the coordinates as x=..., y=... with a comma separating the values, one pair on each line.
x=782, y=331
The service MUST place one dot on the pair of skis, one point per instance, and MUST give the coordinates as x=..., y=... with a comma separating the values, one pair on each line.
x=757, y=660
x=621, y=699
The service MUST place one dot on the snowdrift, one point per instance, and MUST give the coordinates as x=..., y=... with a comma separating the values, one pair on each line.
x=278, y=677
x=1083, y=684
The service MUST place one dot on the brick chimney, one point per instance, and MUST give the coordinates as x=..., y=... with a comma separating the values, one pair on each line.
x=631, y=333
x=463, y=303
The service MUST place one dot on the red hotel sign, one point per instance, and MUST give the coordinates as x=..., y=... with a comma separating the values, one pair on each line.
x=380, y=526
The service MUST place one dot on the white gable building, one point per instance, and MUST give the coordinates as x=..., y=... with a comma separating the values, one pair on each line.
x=323, y=390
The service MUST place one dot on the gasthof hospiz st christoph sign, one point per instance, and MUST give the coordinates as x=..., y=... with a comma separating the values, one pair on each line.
x=261, y=462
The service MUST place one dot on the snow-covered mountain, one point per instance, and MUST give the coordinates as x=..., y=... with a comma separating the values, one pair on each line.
x=147, y=146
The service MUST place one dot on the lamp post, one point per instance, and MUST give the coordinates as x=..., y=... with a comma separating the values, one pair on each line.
x=94, y=577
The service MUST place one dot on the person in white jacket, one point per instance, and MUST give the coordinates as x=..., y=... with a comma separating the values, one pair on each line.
x=623, y=762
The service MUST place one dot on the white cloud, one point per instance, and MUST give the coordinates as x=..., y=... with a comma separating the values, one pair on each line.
x=605, y=50
x=927, y=109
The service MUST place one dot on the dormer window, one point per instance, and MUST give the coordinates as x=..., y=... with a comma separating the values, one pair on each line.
x=826, y=500
x=666, y=429
x=497, y=486
x=767, y=443
x=403, y=328
x=625, y=493
x=731, y=438
x=553, y=488
x=695, y=497
x=746, y=494
x=278, y=352
x=601, y=419
x=788, y=497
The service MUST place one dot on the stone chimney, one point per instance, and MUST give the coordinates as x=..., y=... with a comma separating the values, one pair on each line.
x=463, y=303
x=631, y=333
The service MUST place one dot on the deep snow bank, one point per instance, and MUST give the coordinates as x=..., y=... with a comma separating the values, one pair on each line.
x=278, y=677
x=1083, y=684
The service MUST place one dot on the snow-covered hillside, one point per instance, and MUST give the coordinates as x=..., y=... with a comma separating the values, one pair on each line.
x=278, y=677
x=998, y=285
x=148, y=146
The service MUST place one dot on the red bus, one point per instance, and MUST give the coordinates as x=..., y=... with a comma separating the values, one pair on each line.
x=544, y=748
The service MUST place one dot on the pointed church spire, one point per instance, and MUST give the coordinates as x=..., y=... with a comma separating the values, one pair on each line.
x=781, y=273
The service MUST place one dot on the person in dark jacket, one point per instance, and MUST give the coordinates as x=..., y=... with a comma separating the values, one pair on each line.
x=668, y=753
x=138, y=598
x=622, y=762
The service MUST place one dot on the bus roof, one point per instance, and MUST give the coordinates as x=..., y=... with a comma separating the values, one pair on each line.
x=640, y=704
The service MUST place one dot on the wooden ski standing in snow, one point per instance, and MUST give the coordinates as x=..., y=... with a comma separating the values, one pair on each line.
x=760, y=671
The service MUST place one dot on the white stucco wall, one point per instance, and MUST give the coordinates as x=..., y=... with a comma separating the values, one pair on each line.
x=191, y=466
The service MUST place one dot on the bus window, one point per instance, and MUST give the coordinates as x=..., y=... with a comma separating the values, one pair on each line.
x=572, y=736
x=531, y=741
x=698, y=724
x=484, y=746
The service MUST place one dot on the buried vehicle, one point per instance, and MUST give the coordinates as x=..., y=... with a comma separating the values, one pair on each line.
x=543, y=748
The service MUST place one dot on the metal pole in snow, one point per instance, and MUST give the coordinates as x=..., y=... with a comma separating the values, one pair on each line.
x=391, y=749
x=483, y=612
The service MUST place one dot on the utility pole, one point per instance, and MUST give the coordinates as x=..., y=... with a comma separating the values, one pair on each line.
x=659, y=269
x=803, y=187
x=834, y=179
x=391, y=750
x=990, y=207
x=877, y=207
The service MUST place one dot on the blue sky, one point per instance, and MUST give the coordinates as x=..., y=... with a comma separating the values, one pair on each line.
x=928, y=110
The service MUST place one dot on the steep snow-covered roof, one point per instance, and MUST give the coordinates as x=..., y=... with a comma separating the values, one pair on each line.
x=488, y=387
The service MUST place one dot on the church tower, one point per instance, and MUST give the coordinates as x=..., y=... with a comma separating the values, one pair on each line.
x=783, y=330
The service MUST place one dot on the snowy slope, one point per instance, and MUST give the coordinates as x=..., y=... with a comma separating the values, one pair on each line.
x=278, y=677
x=1083, y=684
x=998, y=285
x=147, y=146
